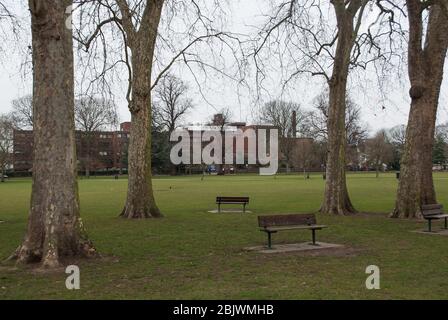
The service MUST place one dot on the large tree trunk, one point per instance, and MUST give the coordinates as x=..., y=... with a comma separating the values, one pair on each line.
x=55, y=230
x=336, y=198
x=425, y=67
x=140, y=202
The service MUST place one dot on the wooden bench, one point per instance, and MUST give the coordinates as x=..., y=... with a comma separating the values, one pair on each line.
x=434, y=212
x=276, y=223
x=232, y=200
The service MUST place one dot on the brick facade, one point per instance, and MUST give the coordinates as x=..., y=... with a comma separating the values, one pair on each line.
x=107, y=150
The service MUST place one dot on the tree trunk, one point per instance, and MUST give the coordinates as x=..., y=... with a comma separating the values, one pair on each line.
x=336, y=198
x=55, y=230
x=425, y=67
x=173, y=167
x=140, y=202
x=89, y=153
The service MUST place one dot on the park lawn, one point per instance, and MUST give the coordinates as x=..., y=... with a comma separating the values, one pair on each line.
x=193, y=254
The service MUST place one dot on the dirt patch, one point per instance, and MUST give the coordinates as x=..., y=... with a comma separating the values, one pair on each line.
x=8, y=269
x=334, y=252
x=229, y=211
x=437, y=232
x=36, y=268
x=294, y=247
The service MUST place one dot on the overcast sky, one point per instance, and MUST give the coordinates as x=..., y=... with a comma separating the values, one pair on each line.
x=221, y=94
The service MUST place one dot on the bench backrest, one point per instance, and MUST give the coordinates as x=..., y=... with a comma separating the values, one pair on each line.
x=286, y=220
x=232, y=199
x=432, y=209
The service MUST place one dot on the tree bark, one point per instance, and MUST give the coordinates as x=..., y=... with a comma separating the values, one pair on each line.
x=89, y=137
x=140, y=202
x=425, y=68
x=55, y=230
x=336, y=198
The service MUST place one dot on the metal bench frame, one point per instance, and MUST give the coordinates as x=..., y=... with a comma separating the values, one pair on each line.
x=232, y=200
x=275, y=223
x=434, y=212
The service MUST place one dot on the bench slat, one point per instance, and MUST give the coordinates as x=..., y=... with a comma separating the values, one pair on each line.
x=431, y=206
x=315, y=227
x=286, y=220
x=229, y=202
x=232, y=199
x=432, y=212
x=436, y=216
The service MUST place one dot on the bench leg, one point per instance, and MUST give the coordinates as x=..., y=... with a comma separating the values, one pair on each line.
x=429, y=225
x=313, y=232
x=446, y=223
x=269, y=240
x=219, y=208
x=244, y=208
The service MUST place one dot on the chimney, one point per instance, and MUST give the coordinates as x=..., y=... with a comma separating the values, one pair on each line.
x=294, y=124
x=218, y=119
x=125, y=126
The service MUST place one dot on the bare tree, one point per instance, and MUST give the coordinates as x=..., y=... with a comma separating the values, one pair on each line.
x=141, y=40
x=170, y=105
x=280, y=114
x=303, y=154
x=378, y=150
x=221, y=120
x=6, y=143
x=92, y=115
x=397, y=136
x=349, y=15
x=138, y=24
x=315, y=46
x=10, y=26
x=317, y=121
x=171, y=102
x=442, y=131
x=55, y=229
x=5, y=13
x=427, y=49
x=22, y=110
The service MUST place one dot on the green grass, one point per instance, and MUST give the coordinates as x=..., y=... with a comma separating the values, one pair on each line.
x=193, y=254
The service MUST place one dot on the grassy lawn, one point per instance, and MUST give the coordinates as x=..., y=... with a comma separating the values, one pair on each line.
x=193, y=254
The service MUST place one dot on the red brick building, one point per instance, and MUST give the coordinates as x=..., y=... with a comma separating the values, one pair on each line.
x=99, y=151
x=300, y=149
